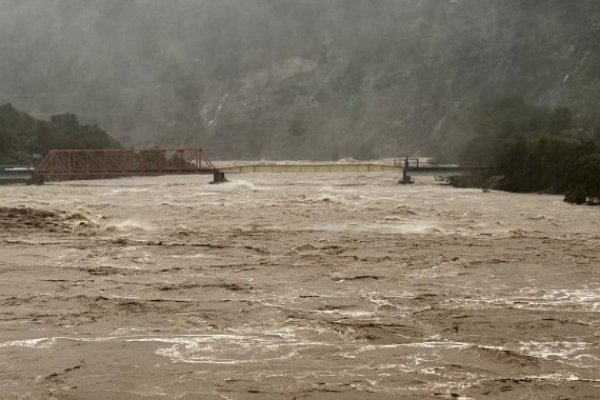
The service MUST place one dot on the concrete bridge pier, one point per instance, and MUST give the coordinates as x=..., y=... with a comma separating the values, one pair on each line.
x=406, y=179
x=219, y=177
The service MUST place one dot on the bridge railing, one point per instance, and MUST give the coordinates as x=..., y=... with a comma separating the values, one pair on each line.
x=417, y=162
x=16, y=168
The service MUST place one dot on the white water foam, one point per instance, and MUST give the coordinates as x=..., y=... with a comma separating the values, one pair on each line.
x=129, y=225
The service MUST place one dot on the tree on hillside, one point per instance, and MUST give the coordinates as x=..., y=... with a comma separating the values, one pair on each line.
x=22, y=137
x=17, y=133
x=535, y=149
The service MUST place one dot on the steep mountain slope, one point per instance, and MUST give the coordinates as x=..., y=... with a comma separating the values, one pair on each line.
x=297, y=79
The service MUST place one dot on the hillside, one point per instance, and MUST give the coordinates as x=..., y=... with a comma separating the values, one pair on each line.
x=24, y=139
x=298, y=79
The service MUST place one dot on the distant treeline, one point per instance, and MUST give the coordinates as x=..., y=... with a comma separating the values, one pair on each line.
x=23, y=139
x=536, y=149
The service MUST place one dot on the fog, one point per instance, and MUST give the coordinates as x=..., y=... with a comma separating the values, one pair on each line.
x=294, y=79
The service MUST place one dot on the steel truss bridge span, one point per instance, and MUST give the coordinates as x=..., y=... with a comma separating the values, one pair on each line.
x=113, y=163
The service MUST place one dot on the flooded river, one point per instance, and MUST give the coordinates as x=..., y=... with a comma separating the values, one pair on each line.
x=295, y=286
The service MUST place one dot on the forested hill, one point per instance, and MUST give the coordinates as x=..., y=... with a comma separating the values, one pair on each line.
x=25, y=140
x=317, y=79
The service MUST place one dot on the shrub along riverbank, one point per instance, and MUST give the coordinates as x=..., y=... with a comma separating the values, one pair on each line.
x=535, y=149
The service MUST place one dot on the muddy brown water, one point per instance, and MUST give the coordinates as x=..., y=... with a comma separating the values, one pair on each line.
x=295, y=287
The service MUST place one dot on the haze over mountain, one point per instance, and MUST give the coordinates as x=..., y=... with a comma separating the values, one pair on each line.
x=313, y=79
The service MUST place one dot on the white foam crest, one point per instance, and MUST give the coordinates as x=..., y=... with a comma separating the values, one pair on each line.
x=40, y=343
x=222, y=349
x=558, y=377
x=565, y=351
x=576, y=296
x=420, y=227
x=187, y=256
x=422, y=345
x=120, y=191
x=236, y=186
x=543, y=302
x=131, y=224
x=48, y=341
x=346, y=313
x=207, y=349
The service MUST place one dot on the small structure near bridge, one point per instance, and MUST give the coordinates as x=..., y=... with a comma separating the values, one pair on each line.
x=15, y=173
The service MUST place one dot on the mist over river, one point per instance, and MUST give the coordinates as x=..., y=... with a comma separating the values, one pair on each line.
x=332, y=286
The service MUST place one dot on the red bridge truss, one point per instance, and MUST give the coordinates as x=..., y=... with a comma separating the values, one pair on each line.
x=111, y=163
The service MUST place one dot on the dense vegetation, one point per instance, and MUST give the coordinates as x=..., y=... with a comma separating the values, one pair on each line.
x=536, y=149
x=23, y=139
x=315, y=79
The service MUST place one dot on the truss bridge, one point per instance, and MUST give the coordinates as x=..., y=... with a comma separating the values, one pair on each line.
x=114, y=163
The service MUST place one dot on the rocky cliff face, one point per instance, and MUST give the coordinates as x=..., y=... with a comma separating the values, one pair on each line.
x=297, y=79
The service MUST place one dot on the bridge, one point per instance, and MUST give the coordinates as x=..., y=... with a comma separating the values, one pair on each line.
x=308, y=167
x=61, y=165
x=408, y=167
x=114, y=163
x=413, y=167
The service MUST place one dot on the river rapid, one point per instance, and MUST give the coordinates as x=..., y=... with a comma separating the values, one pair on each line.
x=295, y=286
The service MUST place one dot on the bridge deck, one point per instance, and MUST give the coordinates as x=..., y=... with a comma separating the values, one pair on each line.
x=443, y=170
x=422, y=170
x=308, y=168
x=103, y=164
